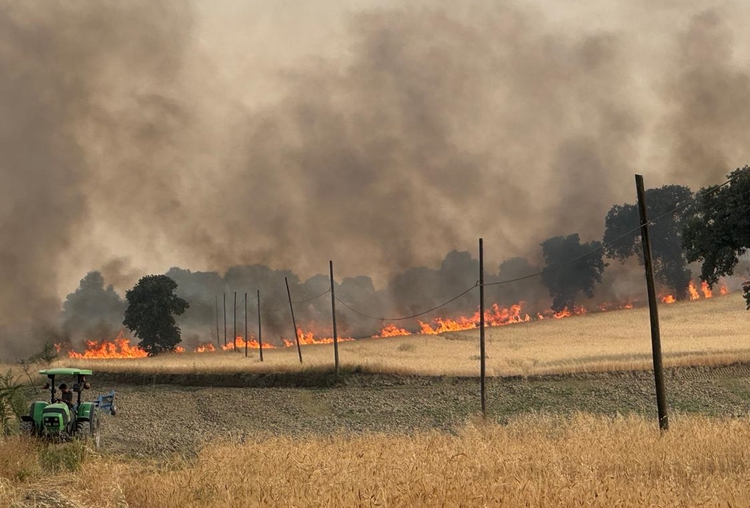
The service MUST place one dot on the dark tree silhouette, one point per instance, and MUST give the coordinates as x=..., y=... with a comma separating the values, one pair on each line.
x=719, y=231
x=564, y=283
x=670, y=264
x=92, y=311
x=152, y=304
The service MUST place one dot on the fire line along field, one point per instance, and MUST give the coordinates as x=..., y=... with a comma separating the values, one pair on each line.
x=595, y=363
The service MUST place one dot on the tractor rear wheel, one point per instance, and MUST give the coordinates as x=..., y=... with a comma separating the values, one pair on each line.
x=89, y=430
x=95, y=428
x=27, y=429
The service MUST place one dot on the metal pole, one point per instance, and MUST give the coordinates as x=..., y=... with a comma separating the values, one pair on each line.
x=225, y=319
x=260, y=330
x=333, y=313
x=234, y=318
x=294, y=323
x=245, y=325
x=218, y=340
x=661, y=394
x=482, y=356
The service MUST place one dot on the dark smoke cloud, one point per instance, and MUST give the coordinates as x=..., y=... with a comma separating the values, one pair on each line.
x=710, y=113
x=131, y=144
x=56, y=61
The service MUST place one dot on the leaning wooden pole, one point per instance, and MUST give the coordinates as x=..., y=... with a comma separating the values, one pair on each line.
x=661, y=393
x=234, y=318
x=218, y=339
x=482, y=355
x=333, y=313
x=294, y=323
x=260, y=331
x=245, y=325
x=225, y=319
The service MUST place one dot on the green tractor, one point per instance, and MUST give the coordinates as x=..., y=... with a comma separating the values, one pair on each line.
x=62, y=418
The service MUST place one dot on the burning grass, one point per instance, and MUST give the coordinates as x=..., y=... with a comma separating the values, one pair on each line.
x=704, y=332
x=534, y=460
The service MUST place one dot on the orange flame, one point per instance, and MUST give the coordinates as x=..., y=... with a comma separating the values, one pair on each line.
x=308, y=338
x=707, y=293
x=693, y=292
x=239, y=342
x=494, y=316
x=392, y=331
x=205, y=348
x=723, y=290
x=119, y=348
x=668, y=299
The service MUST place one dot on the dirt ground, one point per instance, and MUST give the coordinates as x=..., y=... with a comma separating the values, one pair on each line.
x=160, y=420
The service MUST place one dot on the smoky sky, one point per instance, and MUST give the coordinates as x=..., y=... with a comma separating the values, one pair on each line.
x=136, y=136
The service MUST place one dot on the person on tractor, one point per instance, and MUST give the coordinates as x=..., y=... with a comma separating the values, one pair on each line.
x=66, y=395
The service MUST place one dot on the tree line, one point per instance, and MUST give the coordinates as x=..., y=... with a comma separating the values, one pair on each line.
x=711, y=227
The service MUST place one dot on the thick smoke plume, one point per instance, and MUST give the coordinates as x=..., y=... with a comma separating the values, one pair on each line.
x=140, y=135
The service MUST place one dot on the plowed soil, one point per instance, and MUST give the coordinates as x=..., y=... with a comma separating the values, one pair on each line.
x=160, y=420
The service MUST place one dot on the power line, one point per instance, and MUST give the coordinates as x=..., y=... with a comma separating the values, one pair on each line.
x=401, y=318
x=314, y=297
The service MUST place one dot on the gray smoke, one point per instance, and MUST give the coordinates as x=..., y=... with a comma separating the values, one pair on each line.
x=709, y=113
x=142, y=135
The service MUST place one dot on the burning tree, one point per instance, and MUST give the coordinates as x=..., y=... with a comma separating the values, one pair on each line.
x=151, y=306
x=564, y=283
x=670, y=265
x=720, y=230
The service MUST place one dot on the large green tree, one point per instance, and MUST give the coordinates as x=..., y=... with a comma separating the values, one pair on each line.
x=719, y=232
x=152, y=305
x=670, y=265
x=575, y=275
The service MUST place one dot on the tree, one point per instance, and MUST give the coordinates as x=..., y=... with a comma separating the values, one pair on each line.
x=92, y=311
x=670, y=265
x=719, y=232
x=151, y=306
x=564, y=283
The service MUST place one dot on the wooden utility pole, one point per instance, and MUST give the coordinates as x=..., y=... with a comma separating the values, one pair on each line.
x=335, y=335
x=482, y=356
x=225, y=319
x=234, y=318
x=294, y=323
x=245, y=325
x=661, y=394
x=260, y=330
x=218, y=339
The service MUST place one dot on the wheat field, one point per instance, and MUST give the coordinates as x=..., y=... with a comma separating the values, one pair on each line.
x=705, y=332
x=534, y=460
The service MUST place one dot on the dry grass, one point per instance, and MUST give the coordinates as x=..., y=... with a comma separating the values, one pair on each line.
x=706, y=332
x=535, y=460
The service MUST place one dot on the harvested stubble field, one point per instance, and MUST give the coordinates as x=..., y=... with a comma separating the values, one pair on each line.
x=562, y=430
